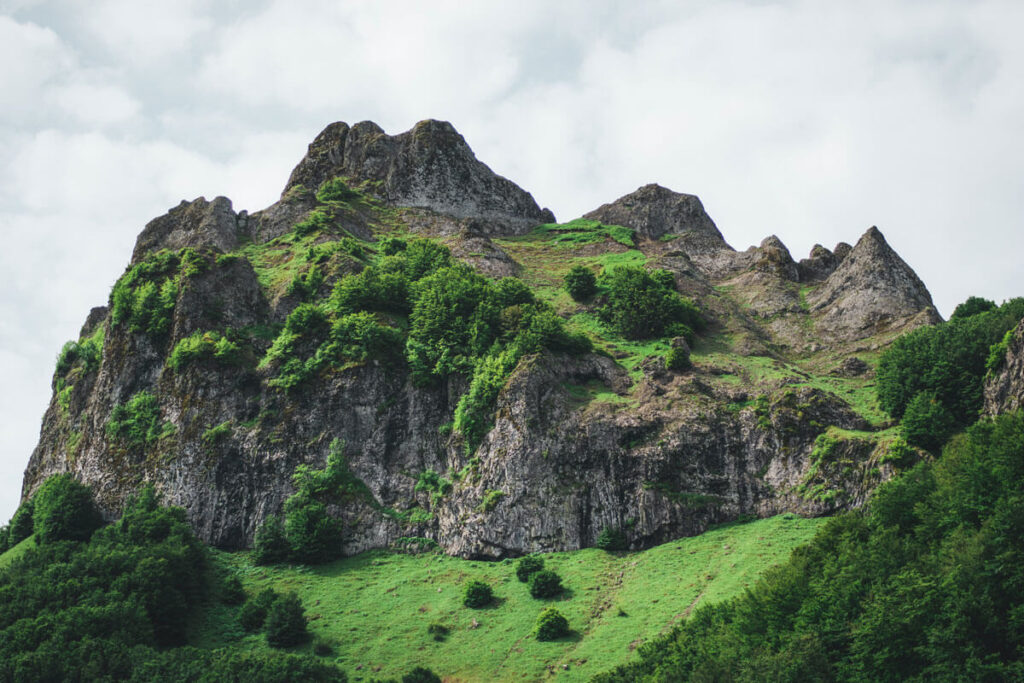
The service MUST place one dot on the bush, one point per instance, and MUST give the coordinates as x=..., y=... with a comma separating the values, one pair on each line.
x=640, y=305
x=665, y=278
x=252, y=616
x=438, y=630
x=270, y=546
x=144, y=297
x=231, y=590
x=551, y=625
x=545, y=584
x=85, y=352
x=21, y=523
x=421, y=675
x=203, y=347
x=313, y=535
x=610, y=538
x=527, y=566
x=972, y=306
x=136, y=423
x=5, y=537
x=389, y=246
x=926, y=423
x=286, y=622
x=335, y=190
x=581, y=283
x=321, y=648
x=64, y=511
x=678, y=359
x=477, y=594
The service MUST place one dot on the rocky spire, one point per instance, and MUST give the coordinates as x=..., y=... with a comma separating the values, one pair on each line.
x=654, y=211
x=430, y=167
x=1004, y=389
x=199, y=223
x=871, y=291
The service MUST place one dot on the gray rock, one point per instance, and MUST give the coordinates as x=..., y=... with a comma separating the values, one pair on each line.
x=654, y=211
x=819, y=265
x=1004, y=389
x=195, y=224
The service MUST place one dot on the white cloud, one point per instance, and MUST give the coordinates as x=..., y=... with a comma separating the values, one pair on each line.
x=99, y=105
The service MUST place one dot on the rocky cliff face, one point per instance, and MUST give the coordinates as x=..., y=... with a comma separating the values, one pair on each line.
x=770, y=418
x=1004, y=389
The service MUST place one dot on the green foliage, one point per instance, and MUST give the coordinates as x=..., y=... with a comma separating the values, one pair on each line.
x=580, y=282
x=204, y=347
x=948, y=360
x=611, y=538
x=85, y=353
x=921, y=585
x=641, y=306
x=582, y=231
x=97, y=609
x=678, y=359
x=926, y=422
x=438, y=630
x=215, y=666
x=664, y=278
x=136, y=423
x=490, y=500
x=270, y=545
x=527, y=566
x=318, y=220
x=306, y=283
x=335, y=190
x=144, y=297
x=551, y=625
x=972, y=306
x=231, y=590
x=313, y=535
x=421, y=675
x=5, y=538
x=433, y=483
x=286, y=622
x=389, y=246
x=477, y=594
x=217, y=434
x=64, y=511
x=997, y=353
x=253, y=614
x=22, y=522
x=545, y=584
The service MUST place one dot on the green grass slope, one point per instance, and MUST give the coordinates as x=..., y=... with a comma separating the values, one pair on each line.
x=374, y=609
x=17, y=551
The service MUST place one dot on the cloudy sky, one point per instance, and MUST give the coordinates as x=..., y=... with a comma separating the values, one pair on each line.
x=809, y=120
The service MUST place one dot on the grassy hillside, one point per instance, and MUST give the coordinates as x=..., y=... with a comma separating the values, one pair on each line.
x=17, y=551
x=374, y=609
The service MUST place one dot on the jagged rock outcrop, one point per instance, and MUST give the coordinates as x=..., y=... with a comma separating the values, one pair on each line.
x=430, y=167
x=654, y=211
x=1004, y=389
x=578, y=443
x=873, y=290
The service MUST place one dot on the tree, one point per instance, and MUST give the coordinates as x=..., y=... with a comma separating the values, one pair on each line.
x=641, y=306
x=270, y=546
x=421, y=675
x=477, y=594
x=551, y=625
x=926, y=423
x=973, y=306
x=64, y=511
x=580, y=282
x=545, y=584
x=286, y=622
x=21, y=523
x=313, y=535
x=527, y=566
x=610, y=538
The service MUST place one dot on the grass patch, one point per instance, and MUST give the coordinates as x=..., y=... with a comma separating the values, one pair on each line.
x=17, y=551
x=375, y=609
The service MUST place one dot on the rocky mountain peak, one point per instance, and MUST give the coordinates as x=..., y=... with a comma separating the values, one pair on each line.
x=870, y=291
x=819, y=265
x=429, y=166
x=654, y=211
x=199, y=223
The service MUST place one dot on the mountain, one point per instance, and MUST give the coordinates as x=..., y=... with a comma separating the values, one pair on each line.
x=237, y=347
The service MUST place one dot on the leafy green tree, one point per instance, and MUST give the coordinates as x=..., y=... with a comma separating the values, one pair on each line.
x=545, y=584
x=253, y=614
x=926, y=422
x=477, y=594
x=641, y=306
x=527, y=566
x=611, y=538
x=581, y=283
x=972, y=306
x=313, y=535
x=286, y=622
x=64, y=511
x=551, y=625
x=21, y=523
x=421, y=675
x=270, y=545
x=5, y=538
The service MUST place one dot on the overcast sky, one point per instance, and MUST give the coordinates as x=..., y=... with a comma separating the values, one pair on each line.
x=809, y=120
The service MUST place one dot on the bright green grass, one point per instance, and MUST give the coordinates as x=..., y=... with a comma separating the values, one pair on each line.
x=17, y=551
x=581, y=231
x=374, y=608
x=629, y=354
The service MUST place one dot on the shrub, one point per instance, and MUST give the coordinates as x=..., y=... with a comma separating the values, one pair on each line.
x=972, y=306
x=270, y=546
x=216, y=434
x=136, y=423
x=321, y=648
x=21, y=523
x=640, y=306
x=610, y=538
x=490, y=500
x=545, y=584
x=580, y=282
x=317, y=220
x=421, y=675
x=5, y=537
x=997, y=353
x=678, y=359
x=477, y=594
x=526, y=566
x=203, y=346
x=389, y=246
x=286, y=622
x=231, y=590
x=664, y=278
x=144, y=297
x=551, y=625
x=86, y=352
x=313, y=535
x=335, y=190
x=438, y=630
x=64, y=511
x=252, y=616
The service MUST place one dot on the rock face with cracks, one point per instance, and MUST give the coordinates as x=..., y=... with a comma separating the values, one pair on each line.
x=1004, y=389
x=578, y=443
